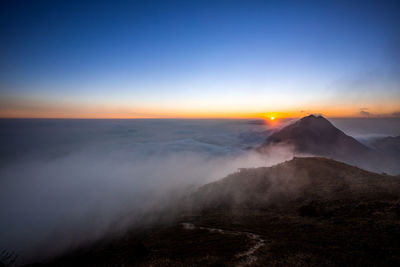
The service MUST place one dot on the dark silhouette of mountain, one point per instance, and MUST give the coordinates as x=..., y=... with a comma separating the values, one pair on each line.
x=315, y=135
x=303, y=212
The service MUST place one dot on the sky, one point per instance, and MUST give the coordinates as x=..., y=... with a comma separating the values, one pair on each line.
x=199, y=59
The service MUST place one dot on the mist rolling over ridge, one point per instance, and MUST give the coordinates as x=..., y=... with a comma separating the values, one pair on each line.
x=79, y=179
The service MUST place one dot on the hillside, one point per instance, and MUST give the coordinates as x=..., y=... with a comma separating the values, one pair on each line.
x=303, y=212
x=299, y=179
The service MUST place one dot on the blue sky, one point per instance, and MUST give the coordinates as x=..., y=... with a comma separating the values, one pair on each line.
x=199, y=58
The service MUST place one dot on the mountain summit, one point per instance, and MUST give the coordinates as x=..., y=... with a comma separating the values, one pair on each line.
x=316, y=135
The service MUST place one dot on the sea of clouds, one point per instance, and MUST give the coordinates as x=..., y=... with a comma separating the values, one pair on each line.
x=66, y=182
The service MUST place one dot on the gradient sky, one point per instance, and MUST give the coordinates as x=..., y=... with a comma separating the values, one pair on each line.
x=199, y=58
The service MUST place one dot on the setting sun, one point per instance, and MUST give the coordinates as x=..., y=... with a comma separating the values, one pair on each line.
x=271, y=116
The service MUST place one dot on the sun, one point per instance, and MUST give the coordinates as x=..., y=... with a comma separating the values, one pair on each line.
x=271, y=116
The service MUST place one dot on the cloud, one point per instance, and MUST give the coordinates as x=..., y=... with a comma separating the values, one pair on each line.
x=77, y=181
x=364, y=112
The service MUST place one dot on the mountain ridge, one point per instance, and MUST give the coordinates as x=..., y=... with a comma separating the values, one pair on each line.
x=301, y=177
x=315, y=135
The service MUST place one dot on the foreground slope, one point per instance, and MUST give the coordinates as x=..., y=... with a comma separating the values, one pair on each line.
x=304, y=212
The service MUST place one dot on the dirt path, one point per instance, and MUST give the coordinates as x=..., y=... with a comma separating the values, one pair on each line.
x=246, y=257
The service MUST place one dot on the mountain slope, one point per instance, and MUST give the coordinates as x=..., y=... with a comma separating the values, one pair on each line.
x=315, y=135
x=296, y=180
x=303, y=212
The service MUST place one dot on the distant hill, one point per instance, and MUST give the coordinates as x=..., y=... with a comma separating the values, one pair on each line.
x=315, y=135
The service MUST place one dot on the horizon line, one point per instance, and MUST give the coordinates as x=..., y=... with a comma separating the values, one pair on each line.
x=193, y=118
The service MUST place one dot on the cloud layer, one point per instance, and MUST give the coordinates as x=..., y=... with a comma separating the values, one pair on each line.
x=75, y=181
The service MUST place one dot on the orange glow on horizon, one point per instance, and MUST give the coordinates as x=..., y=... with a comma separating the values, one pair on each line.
x=93, y=112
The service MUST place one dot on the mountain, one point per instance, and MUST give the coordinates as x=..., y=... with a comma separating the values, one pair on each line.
x=315, y=135
x=303, y=212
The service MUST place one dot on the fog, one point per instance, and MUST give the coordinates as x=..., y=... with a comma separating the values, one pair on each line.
x=66, y=182
x=367, y=130
x=362, y=128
